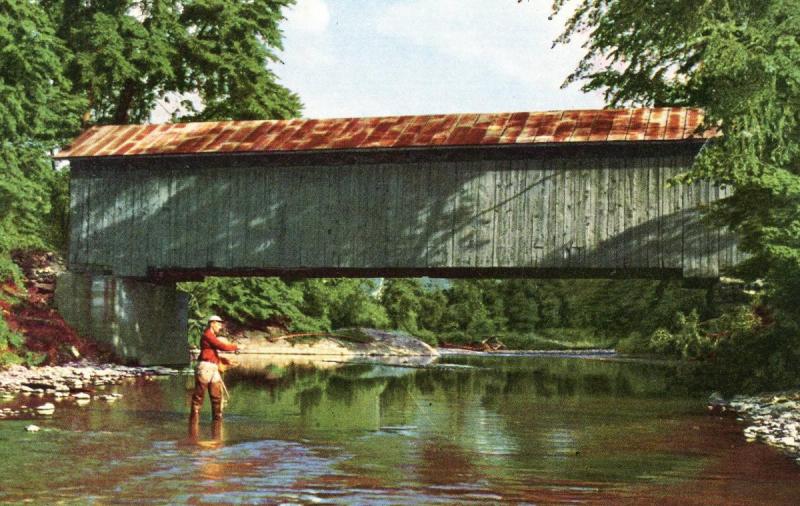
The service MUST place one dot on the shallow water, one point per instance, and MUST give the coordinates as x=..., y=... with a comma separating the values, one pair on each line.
x=466, y=429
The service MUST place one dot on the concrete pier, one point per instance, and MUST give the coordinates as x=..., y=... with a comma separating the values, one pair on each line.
x=145, y=323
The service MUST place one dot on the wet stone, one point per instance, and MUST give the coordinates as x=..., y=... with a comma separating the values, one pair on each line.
x=773, y=419
x=58, y=381
x=46, y=408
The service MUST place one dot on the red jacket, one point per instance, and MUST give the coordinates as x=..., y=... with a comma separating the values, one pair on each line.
x=210, y=346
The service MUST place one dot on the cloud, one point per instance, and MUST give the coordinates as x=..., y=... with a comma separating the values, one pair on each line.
x=508, y=38
x=428, y=56
x=310, y=16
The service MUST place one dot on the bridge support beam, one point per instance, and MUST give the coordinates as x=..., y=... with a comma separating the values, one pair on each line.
x=144, y=323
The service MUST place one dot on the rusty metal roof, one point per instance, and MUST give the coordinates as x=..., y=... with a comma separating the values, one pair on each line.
x=445, y=130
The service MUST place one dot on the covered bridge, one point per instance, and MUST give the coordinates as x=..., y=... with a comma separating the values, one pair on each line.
x=523, y=194
x=529, y=194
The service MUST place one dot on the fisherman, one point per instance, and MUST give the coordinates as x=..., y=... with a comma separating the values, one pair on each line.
x=207, y=375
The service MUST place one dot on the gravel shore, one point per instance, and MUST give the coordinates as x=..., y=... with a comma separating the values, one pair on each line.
x=80, y=382
x=773, y=419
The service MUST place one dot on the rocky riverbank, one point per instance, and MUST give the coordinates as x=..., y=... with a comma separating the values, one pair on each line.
x=773, y=419
x=79, y=382
x=358, y=342
x=28, y=309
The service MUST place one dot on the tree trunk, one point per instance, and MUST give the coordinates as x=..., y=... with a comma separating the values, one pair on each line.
x=122, y=114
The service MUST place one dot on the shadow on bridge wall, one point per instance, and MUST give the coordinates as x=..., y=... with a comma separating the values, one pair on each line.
x=452, y=219
x=681, y=243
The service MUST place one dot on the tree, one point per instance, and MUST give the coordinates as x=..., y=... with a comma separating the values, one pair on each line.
x=128, y=54
x=251, y=302
x=401, y=298
x=432, y=308
x=740, y=61
x=521, y=309
x=37, y=112
x=70, y=63
x=344, y=302
x=468, y=312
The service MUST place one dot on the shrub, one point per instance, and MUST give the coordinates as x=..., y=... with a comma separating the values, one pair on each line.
x=687, y=341
x=741, y=351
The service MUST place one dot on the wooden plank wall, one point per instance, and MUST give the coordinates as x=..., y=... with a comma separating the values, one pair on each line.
x=612, y=213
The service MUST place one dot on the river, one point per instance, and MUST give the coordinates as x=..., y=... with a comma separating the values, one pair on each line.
x=465, y=429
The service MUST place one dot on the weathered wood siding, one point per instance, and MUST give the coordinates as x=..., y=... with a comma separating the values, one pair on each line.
x=604, y=213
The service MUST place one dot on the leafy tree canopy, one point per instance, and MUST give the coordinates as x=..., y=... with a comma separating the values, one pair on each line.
x=37, y=111
x=128, y=54
x=740, y=61
x=65, y=64
x=36, y=103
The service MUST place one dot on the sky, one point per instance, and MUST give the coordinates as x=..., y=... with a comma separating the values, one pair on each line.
x=388, y=57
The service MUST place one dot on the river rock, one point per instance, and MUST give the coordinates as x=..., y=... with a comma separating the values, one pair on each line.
x=70, y=377
x=774, y=419
x=46, y=408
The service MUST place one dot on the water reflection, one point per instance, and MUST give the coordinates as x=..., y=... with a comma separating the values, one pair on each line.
x=217, y=432
x=464, y=430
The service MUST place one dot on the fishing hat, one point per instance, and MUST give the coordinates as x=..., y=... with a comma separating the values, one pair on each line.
x=214, y=318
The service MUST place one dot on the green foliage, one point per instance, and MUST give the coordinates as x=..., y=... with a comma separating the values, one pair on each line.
x=33, y=204
x=401, y=299
x=343, y=302
x=37, y=108
x=37, y=111
x=608, y=310
x=317, y=305
x=432, y=309
x=414, y=309
x=558, y=339
x=523, y=314
x=536, y=313
x=737, y=352
x=129, y=54
x=247, y=301
x=468, y=308
x=737, y=59
x=687, y=342
x=12, y=348
x=66, y=64
x=9, y=338
x=521, y=304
